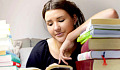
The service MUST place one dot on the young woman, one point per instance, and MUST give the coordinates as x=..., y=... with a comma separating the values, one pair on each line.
x=62, y=18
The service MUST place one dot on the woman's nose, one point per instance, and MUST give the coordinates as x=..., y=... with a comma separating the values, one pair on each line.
x=57, y=27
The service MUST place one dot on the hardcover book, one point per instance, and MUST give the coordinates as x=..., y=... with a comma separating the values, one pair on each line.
x=105, y=21
x=112, y=64
x=98, y=55
x=100, y=44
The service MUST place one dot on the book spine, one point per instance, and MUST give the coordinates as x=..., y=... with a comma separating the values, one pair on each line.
x=8, y=52
x=85, y=47
x=16, y=64
x=84, y=65
x=84, y=56
x=15, y=59
x=84, y=37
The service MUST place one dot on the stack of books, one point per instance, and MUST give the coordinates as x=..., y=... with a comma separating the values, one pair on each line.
x=8, y=60
x=5, y=36
x=101, y=46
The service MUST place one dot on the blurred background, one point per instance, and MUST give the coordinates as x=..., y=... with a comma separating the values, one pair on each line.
x=25, y=16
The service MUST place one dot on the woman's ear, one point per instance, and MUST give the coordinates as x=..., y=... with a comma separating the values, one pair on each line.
x=75, y=19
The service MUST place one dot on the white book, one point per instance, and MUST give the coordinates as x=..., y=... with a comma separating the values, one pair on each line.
x=98, y=55
x=105, y=26
x=4, y=32
x=4, y=26
x=2, y=22
x=4, y=36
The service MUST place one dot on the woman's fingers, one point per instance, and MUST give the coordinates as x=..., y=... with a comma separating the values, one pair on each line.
x=63, y=58
x=59, y=60
x=64, y=61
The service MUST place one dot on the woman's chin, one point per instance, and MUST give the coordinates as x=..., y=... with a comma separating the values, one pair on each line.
x=60, y=39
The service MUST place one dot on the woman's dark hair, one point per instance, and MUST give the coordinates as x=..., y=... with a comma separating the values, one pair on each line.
x=69, y=7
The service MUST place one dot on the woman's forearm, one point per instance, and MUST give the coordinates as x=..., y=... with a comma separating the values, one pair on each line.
x=105, y=14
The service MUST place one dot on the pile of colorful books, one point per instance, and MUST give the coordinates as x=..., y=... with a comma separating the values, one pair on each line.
x=101, y=46
x=5, y=36
x=8, y=60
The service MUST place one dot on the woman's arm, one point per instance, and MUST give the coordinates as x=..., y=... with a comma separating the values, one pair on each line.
x=69, y=42
x=105, y=14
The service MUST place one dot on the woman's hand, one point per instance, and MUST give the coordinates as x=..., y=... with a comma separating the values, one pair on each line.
x=65, y=51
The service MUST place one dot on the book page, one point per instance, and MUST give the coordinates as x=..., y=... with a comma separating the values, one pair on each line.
x=112, y=64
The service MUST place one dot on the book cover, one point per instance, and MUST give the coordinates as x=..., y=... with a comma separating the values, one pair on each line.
x=59, y=67
x=9, y=68
x=112, y=64
x=9, y=57
x=10, y=63
x=105, y=21
x=109, y=54
x=100, y=44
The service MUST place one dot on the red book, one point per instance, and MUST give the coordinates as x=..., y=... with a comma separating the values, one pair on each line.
x=112, y=64
x=10, y=63
x=99, y=44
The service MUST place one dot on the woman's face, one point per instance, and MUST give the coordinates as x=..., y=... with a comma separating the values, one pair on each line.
x=59, y=24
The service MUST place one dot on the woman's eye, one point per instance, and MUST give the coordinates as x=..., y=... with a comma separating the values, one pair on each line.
x=50, y=24
x=61, y=20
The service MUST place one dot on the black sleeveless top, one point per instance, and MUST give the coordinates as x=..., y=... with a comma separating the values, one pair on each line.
x=40, y=56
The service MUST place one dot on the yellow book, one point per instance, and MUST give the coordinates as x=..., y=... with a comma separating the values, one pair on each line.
x=106, y=21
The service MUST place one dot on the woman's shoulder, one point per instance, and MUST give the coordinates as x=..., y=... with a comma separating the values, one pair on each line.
x=41, y=46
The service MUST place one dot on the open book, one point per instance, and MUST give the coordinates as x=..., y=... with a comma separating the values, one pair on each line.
x=59, y=67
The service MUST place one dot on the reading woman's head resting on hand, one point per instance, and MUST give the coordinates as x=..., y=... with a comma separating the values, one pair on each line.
x=61, y=17
x=69, y=7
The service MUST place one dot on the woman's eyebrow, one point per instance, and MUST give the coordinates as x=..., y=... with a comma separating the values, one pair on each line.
x=48, y=20
x=59, y=17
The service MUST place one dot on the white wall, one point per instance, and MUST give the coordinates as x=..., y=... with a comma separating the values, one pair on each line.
x=25, y=17
x=90, y=7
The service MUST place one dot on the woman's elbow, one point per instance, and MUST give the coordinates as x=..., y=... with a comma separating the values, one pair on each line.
x=113, y=13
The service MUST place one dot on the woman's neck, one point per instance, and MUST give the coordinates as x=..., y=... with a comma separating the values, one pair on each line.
x=57, y=44
x=54, y=48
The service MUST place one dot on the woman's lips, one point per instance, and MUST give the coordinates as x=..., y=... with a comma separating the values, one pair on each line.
x=59, y=34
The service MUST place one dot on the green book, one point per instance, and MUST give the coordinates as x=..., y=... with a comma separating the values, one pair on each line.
x=9, y=57
x=84, y=36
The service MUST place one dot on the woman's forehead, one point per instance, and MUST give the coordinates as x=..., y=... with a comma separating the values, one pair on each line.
x=55, y=13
